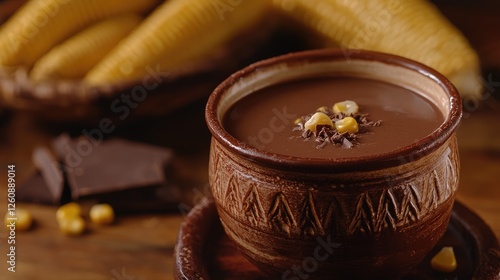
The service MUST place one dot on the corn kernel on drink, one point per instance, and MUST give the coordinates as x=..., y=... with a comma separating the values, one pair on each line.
x=332, y=118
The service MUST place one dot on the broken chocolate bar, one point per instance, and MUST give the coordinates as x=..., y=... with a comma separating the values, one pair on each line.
x=34, y=189
x=113, y=165
x=128, y=175
x=46, y=185
x=50, y=170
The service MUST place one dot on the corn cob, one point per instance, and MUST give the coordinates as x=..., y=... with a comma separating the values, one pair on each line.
x=8, y=7
x=76, y=56
x=41, y=24
x=409, y=28
x=176, y=33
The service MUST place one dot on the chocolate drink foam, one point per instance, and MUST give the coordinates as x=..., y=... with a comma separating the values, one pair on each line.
x=265, y=119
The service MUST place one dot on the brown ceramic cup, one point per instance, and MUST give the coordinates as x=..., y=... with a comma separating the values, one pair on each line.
x=356, y=218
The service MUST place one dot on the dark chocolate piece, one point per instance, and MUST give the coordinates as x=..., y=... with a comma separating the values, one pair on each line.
x=46, y=185
x=95, y=168
x=50, y=171
x=58, y=145
x=128, y=175
x=34, y=189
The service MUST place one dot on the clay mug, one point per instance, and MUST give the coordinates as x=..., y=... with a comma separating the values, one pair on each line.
x=354, y=218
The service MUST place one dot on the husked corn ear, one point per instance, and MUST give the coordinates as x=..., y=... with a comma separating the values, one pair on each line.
x=41, y=24
x=176, y=33
x=410, y=28
x=76, y=56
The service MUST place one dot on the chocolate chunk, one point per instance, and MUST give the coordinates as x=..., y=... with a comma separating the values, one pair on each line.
x=46, y=185
x=107, y=168
x=59, y=144
x=128, y=175
x=50, y=170
x=35, y=189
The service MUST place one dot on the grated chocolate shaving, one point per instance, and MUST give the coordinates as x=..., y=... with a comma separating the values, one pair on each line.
x=327, y=135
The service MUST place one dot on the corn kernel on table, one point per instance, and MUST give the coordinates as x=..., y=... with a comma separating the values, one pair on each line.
x=140, y=246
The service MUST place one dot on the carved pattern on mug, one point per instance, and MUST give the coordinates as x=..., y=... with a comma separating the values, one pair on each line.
x=217, y=180
x=280, y=215
x=409, y=209
x=252, y=207
x=363, y=218
x=430, y=192
x=436, y=188
x=309, y=222
x=232, y=196
x=333, y=212
x=372, y=212
x=213, y=171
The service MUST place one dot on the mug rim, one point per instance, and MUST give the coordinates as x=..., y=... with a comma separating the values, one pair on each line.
x=409, y=153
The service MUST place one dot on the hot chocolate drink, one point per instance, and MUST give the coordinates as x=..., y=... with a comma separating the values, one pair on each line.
x=269, y=118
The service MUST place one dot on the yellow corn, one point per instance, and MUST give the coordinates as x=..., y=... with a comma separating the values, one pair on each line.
x=347, y=107
x=347, y=124
x=20, y=221
x=69, y=211
x=445, y=260
x=176, y=33
x=323, y=109
x=76, y=56
x=409, y=28
x=41, y=24
x=318, y=119
x=72, y=226
x=102, y=214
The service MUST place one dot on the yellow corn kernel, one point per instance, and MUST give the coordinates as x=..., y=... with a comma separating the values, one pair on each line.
x=72, y=225
x=297, y=121
x=76, y=56
x=68, y=211
x=318, y=119
x=347, y=124
x=176, y=33
x=102, y=214
x=411, y=28
x=322, y=109
x=347, y=107
x=20, y=221
x=39, y=25
x=445, y=260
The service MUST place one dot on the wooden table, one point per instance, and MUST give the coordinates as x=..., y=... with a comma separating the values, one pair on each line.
x=141, y=246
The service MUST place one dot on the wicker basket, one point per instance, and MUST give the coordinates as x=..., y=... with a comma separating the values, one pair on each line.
x=73, y=101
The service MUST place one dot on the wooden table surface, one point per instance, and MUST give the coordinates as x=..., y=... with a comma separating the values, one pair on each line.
x=141, y=246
